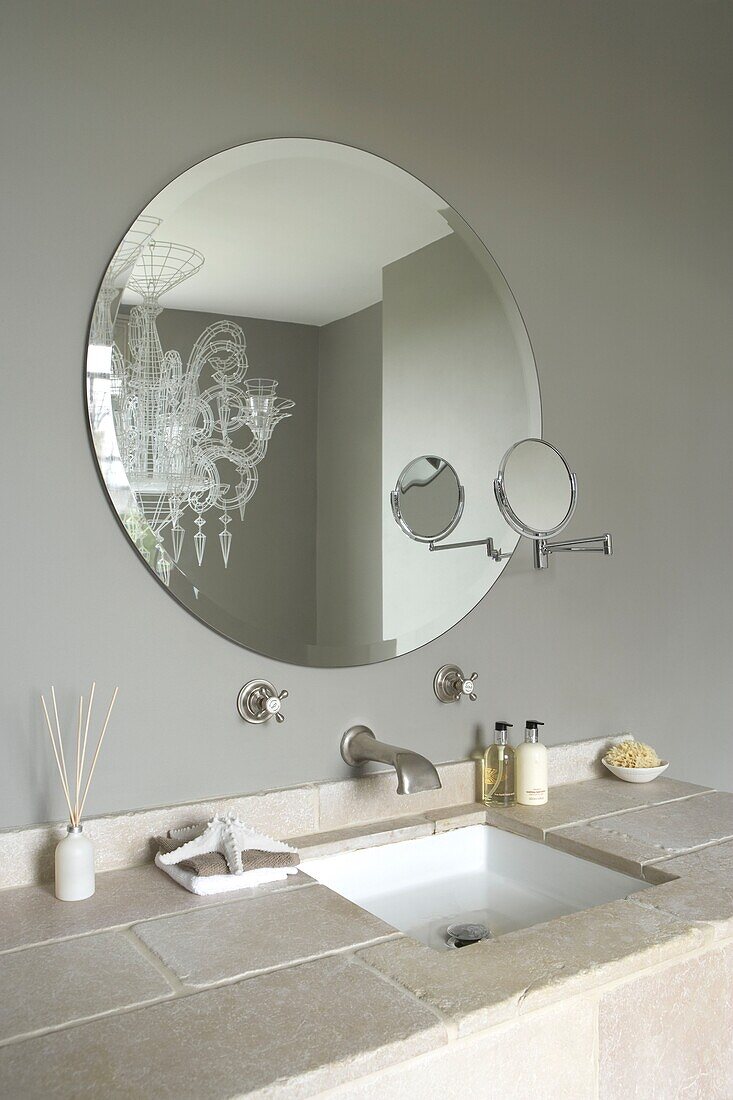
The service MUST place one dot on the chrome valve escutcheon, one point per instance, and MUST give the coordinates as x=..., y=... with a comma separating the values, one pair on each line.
x=258, y=702
x=450, y=685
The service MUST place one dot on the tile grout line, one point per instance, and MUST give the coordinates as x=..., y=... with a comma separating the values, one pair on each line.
x=69, y=1025
x=154, y=960
x=181, y=991
x=637, y=868
x=205, y=907
x=660, y=860
x=625, y=810
x=451, y=1028
x=188, y=989
x=540, y=834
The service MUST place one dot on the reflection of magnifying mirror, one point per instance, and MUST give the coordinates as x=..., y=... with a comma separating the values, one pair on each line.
x=428, y=499
x=535, y=489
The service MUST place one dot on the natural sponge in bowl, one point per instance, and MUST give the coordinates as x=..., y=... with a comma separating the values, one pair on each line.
x=632, y=754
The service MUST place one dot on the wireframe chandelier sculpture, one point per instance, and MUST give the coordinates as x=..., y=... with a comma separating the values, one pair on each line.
x=178, y=444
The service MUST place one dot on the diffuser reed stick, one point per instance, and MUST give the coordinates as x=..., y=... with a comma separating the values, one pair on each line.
x=96, y=754
x=81, y=789
x=78, y=756
x=58, y=762
x=61, y=744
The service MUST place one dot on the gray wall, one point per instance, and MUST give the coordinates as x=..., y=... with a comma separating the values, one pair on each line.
x=589, y=145
x=349, y=561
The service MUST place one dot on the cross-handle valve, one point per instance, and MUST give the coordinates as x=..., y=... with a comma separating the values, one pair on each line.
x=258, y=701
x=450, y=685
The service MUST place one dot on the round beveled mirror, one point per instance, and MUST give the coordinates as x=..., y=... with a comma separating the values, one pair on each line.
x=535, y=489
x=281, y=330
x=428, y=499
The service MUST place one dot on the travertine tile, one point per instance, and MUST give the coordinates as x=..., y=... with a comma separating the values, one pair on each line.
x=356, y=801
x=607, y=846
x=292, y=1034
x=692, y=899
x=48, y=986
x=676, y=828
x=666, y=1036
x=240, y=938
x=577, y=802
x=31, y=914
x=490, y=982
x=578, y=761
x=362, y=836
x=457, y=817
x=124, y=840
x=644, y=838
x=714, y=862
x=525, y=1060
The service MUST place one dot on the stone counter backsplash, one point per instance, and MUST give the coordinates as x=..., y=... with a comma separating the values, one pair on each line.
x=124, y=839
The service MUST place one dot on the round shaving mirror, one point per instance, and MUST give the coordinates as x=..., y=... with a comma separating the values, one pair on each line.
x=428, y=498
x=535, y=489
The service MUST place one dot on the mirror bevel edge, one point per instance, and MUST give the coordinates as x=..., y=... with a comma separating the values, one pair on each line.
x=320, y=656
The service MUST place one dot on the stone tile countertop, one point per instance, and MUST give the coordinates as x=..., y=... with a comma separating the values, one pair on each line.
x=289, y=990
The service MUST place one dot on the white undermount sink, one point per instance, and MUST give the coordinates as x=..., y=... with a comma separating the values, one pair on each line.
x=476, y=874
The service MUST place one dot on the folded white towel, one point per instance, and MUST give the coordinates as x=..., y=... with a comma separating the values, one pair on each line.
x=229, y=836
x=220, y=884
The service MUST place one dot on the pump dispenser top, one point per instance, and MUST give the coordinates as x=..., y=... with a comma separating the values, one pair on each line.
x=531, y=733
x=501, y=735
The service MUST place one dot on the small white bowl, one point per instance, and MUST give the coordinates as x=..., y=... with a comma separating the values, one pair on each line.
x=636, y=775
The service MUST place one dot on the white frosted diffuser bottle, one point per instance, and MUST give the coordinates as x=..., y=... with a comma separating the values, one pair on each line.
x=531, y=768
x=74, y=866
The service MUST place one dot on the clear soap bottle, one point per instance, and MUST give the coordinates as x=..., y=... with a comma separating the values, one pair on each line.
x=498, y=770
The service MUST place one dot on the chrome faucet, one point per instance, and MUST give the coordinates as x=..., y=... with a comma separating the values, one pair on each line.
x=414, y=772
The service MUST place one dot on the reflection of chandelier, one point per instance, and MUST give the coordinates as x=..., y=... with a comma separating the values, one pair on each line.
x=175, y=441
x=127, y=254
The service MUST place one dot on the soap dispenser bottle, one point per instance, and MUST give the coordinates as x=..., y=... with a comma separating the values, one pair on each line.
x=531, y=767
x=498, y=770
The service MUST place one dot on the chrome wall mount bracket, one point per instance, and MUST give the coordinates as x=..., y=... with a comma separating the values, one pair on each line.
x=491, y=551
x=450, y=685
x=598, y=544
x=258, y=702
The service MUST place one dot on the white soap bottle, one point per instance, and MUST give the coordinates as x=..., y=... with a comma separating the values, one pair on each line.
x=531, y=768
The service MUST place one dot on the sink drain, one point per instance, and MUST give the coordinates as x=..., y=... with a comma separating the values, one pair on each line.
x=461, y=935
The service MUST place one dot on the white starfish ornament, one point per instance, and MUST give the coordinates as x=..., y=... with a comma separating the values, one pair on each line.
x=227, y=835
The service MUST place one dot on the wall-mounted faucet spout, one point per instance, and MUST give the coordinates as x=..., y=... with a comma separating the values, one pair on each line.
x=414, y=772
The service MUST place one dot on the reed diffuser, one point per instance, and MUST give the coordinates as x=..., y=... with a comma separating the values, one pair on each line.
x=75, y=853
